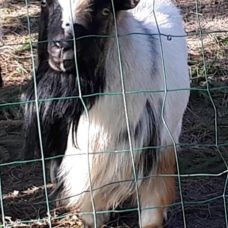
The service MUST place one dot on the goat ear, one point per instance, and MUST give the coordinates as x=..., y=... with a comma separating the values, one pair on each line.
x=125, y=4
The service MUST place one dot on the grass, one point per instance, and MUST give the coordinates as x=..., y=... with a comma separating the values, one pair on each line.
x=205, y=127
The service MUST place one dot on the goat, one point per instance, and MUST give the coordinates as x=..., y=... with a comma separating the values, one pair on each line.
x=106, y=134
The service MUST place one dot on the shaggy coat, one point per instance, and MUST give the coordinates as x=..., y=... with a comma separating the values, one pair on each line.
x=118, y=105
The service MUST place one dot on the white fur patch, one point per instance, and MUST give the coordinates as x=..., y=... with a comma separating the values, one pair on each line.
x=68, y=14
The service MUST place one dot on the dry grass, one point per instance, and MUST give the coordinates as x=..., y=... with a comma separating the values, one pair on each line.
x=16, y=50
x=204, y=137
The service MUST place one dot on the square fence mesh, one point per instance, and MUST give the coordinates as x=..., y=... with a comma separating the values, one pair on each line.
x=201, y=164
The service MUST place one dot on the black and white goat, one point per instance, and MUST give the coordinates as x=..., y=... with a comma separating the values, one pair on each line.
x=68, y=129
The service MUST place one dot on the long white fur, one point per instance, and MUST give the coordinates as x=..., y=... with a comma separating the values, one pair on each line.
x=107, y=117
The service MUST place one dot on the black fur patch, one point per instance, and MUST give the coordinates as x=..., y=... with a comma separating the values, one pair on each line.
x=149, y=156
x=57, y=115
x=153, y=43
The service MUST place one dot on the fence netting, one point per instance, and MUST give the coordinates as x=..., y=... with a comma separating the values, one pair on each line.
x=201, y=164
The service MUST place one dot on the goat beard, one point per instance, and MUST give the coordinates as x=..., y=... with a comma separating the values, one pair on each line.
x=63, y=108
x=55, y=114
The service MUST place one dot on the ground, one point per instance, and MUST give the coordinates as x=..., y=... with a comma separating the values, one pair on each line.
x=202, y=160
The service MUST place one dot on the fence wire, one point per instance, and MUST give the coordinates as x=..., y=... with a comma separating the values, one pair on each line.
x=194, y=7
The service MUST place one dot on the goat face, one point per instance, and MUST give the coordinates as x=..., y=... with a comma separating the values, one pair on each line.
x=77, y=19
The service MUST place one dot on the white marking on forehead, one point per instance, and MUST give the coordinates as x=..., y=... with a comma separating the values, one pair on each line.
x=68, y=13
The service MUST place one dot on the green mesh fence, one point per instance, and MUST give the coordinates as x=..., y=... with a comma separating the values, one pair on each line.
x=201, y=167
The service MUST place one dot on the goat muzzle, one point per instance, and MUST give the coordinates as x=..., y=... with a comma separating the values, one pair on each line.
x=61, y=55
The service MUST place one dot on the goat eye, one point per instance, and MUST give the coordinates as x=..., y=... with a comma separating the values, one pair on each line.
x=43, y=3
x=105, y=11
